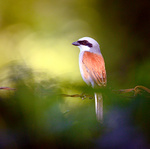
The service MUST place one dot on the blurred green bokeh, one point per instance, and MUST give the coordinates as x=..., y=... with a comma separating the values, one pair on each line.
x=37, y=59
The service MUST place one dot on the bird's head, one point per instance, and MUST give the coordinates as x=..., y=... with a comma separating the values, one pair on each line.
x=87, y=44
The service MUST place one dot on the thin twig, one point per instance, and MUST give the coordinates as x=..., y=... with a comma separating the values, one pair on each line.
x=7, y=88
x=136, y=90
x=83, y=96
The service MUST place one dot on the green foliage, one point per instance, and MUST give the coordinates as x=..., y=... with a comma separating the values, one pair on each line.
x=36, y=114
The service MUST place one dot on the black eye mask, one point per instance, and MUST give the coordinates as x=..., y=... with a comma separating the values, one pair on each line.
x=85, y=43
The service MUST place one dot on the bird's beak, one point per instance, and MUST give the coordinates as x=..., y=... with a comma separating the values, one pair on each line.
x=75, y=43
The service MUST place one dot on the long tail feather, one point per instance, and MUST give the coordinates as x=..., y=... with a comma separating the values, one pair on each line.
x=99, y=106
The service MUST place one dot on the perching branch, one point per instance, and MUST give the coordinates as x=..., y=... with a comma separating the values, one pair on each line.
x=137, y=90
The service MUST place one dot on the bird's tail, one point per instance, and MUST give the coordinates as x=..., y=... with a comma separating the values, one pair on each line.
x=99, y=106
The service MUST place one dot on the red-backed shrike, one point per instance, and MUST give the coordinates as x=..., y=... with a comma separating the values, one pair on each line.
x=92, y=68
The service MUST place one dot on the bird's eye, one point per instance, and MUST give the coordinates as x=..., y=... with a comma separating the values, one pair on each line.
x=84, y=42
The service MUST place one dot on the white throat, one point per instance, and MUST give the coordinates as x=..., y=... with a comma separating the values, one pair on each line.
x=84, y=48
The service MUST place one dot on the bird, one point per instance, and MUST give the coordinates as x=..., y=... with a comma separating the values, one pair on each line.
x=92, y=69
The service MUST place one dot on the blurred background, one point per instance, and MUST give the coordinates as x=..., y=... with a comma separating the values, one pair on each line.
x=38, y=60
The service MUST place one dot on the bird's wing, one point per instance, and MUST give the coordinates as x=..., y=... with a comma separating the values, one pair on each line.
x=94, y=65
